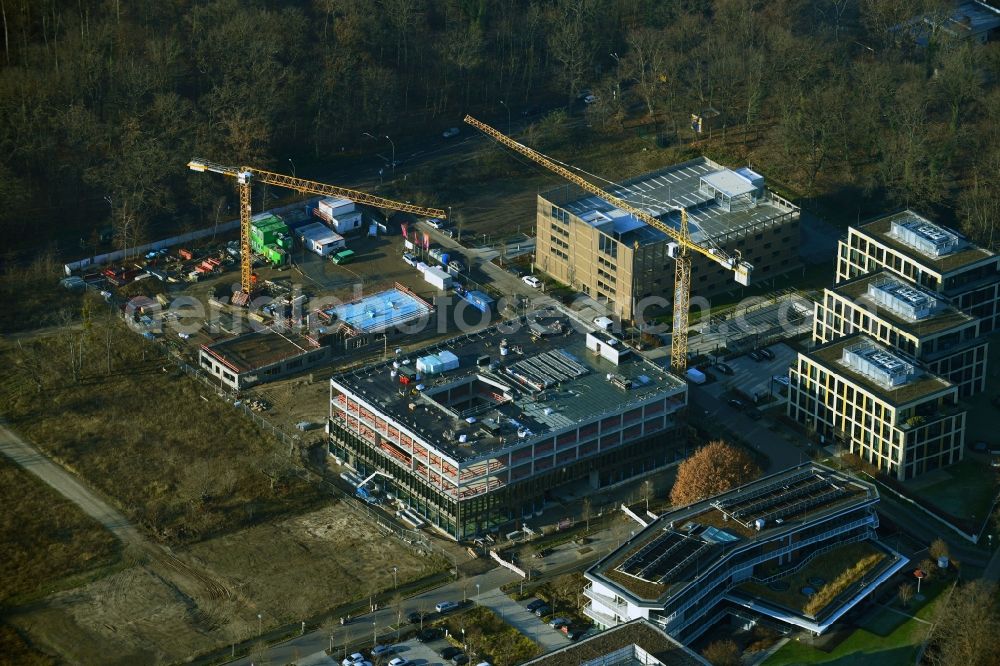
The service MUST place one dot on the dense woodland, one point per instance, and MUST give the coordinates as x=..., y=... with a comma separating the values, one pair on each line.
x=103, y=101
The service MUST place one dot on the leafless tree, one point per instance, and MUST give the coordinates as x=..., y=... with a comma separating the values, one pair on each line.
x=905, y=594
x=966, y=627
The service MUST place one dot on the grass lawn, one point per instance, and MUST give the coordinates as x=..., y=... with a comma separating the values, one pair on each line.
x=968, y=491
x=828, y=567
x=865, y=647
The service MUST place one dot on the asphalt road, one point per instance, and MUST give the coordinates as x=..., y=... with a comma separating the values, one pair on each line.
x=364, y=630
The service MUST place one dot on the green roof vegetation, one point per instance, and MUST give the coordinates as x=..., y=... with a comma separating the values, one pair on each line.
x=838, y=569
x=947, y=318
x=924, y=386
x=879, y=229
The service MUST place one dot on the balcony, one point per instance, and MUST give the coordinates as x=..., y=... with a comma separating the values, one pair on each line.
x=599, y=618
x=609, y=603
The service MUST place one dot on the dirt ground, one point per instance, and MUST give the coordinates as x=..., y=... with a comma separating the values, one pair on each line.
x=286, y=571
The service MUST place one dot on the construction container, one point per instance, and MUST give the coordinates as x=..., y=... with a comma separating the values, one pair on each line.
x=479, y=300
x=438, y=278
x=184, y=254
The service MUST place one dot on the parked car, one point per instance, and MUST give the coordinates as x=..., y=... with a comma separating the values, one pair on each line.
x=537, y=603
x=450, y=233
x=413, y=618
x=437, y=223
x=446, y=607
x=355, y=658
x=532, y=281
x=575, y=633
x=756, y=355
x=456, y=265
x=399, y=661
x=450, y=132
x=410, y=259
x=589, y=99
x=543, y=610
x=766, y=353
x=725, y=369
x=519, y=272
x=754, y=414
x=449, y=652
x=429, y=634
x=781, y=379
x=460, y=659
x=382, y=650
x=557, y=622
x=736, y=403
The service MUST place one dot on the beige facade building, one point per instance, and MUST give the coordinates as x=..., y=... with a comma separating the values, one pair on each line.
x=585, y=242
x=930, y=256
x=879, y=404
x=911, y=319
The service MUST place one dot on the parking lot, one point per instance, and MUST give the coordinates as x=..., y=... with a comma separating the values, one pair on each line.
x=754, y=378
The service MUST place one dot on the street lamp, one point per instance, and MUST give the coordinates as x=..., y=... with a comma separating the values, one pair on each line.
x=394, y=570
x=618, y=66
x=293, y=166
x=477, y=594
x=260, y=626
x=504, y=104
x=386, y=137
x=393, y=153
x=374, y=633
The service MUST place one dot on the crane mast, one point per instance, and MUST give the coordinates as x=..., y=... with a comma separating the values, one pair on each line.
x=681, y=236
x=245, y=176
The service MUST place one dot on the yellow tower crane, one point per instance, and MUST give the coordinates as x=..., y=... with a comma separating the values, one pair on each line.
x=247, y=175
x=681, y=237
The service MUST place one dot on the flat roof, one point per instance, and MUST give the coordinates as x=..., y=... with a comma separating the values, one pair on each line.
x=547, y=381
x=677, y=547
x=943, y=319
x=661, y=193
x=830, y=356
x=639, y=632
x=880, y=230
x=258, y=349
x=729, y=183
x=377, y=312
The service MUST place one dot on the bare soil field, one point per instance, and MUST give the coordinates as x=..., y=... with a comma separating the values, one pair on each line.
x=286, y=571
x=175, y=459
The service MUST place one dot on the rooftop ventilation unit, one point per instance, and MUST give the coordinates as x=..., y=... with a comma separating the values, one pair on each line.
x=623, y=383
x=878, y=364
x=903, y=299
x=926, y=237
